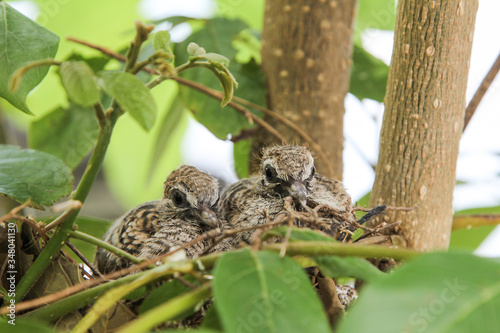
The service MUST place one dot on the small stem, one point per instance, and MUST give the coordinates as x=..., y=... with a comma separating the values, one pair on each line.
x=481, y=91
x=96, y=241
x=15, y=80
x=82, y=258
x=79, y=295
x=61, y=236
x=106, y=301
x=142, y=34
x=474, y=221
x=64, y=216
x=341, y=249
x=292, y=125
x=168, y=310
x=218, y=95
x=100, y=115
x=67, y=304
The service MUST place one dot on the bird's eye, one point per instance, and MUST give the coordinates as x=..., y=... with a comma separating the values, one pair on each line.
x=270, y=174
x=313, y=172
x=179, y=198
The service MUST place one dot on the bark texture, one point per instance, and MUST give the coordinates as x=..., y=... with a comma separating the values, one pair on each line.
x=306, y=56
x=424, y=117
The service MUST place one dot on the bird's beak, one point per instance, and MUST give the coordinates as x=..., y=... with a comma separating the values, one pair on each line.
x=299, y=191
x=209, y=217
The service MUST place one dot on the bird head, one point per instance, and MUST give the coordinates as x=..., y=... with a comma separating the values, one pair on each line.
x=288, y=170
x=192, y=195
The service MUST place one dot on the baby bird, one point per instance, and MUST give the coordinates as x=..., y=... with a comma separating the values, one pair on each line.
x=284, y=171
x=185, y=211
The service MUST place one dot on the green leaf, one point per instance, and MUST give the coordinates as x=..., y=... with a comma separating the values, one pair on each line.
x=217, y=37
x=131, y=95
x=368, y=75
x=195, y=50
x=22, y=41
x=441, y=292
x=261, y=292
x=161, y=40
x=30, y=174
x=78, y=80
x=211, y=320
x=165, y=293
x=215, y=58
x=335, y=267
x=68, y=133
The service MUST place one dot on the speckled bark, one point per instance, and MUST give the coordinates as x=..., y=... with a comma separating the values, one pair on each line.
x=424, y=115
x=306, y=55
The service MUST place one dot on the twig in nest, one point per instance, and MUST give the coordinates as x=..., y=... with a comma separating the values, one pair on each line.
x=286, y=238
x=32, y=223
x=14, y=211
x=378, y=229
x=387, y=208
x=188, y=284
x=80, y=255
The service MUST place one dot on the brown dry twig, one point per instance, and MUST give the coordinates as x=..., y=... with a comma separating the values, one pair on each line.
x=83, y=258
x=14, y=211
x=481, y=91
x=293, y=126
x=218, y=95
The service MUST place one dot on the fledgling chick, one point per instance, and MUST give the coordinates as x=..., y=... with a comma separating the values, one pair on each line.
x=186, y=211
x=284, y=171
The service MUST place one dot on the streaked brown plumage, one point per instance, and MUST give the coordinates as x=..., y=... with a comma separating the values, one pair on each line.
x=284, y=171
x=185, y=211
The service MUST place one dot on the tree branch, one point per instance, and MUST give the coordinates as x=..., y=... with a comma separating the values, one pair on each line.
x=481, y=91
x=168, y=310
x=474, y=221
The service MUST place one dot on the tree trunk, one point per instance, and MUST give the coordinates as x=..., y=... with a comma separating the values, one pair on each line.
x=306, y=56
x=424, y=116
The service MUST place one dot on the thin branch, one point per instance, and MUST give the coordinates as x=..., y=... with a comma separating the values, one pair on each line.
x=481, y=91
x=107, y=300
x=168, y=310
x=100, y=115
x=32, y=223
x=14, y=211
x=71, y=208
x=101, y=49
x=343, y=249
x=293, y=126
x=83, y=258
x=96, y=241
x=474, y=221
x=142, y=34
x=244, y=111
x=16, y=78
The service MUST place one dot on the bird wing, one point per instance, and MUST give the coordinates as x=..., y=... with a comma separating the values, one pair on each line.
x=127, y=233
x=174, y=233
x=331, y=192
